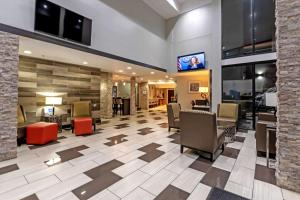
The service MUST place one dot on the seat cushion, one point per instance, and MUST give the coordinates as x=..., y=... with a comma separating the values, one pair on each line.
x=83, y=126
x=41, y=133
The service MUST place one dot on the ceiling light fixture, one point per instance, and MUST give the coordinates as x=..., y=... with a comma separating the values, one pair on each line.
x=152, y=73
x=167, y=76
x=133, y=73
x=121, y=71
x=85, y=63
x=129, y=68
x=27, y=52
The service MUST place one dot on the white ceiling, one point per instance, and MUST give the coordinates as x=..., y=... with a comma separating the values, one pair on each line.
x=48, y=51
x=164, y=9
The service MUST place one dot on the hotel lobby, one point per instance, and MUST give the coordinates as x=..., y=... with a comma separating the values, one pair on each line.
x=144, y=99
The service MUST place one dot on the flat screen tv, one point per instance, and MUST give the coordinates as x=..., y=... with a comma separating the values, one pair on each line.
x=190, y=62
x=60, y=22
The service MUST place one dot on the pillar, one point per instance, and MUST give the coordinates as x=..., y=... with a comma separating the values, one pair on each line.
x=106, y=85
x=144, y=95
x=288, y=85
x=9, y=62
x=132, y=96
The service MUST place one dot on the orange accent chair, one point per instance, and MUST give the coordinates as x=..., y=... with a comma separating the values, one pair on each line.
x=83, y=126
x=41, y=133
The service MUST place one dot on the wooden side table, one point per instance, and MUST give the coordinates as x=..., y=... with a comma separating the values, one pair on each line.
x=53, y=119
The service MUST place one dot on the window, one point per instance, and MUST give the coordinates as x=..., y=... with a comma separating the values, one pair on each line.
x=246, y=85
x=248, y=27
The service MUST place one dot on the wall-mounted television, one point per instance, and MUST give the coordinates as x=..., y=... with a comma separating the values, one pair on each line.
x=60, y=22
x=190, y=62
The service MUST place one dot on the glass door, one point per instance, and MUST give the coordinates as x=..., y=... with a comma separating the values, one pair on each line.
x=246, y=85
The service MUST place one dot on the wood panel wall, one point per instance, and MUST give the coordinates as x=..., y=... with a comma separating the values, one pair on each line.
x=79, y=83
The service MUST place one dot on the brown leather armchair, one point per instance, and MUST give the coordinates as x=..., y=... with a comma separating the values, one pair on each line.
x=260, y=135
x=199, y=131
x=173, y=110
x=82, y=109
x=227, y=113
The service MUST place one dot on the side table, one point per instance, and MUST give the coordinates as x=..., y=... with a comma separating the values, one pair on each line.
x=53, y=119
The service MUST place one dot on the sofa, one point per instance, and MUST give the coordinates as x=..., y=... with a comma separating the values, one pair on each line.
x=199, y=132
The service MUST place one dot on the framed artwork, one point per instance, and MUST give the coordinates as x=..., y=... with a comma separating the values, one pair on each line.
x=194, y=87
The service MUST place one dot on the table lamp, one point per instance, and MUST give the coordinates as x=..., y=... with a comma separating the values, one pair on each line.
x=53, y=101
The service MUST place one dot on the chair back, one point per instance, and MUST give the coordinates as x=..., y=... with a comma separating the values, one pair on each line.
x=228, y=110
x=82, y=109
x=21, y=115
x=198, y=130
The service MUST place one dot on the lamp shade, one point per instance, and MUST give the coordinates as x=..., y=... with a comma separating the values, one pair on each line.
x=53, y=100
x=203, y=89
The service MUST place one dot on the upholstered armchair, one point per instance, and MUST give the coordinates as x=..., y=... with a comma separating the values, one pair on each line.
x=199, y=132
x=227, y=113
x=173, y=110
x=260, y=134
x=82, y=109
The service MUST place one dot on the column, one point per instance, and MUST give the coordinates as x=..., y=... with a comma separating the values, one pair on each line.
x=106, y=84
x=132, y=96
x=9, y=62
x=288, y=85
x=144, y=95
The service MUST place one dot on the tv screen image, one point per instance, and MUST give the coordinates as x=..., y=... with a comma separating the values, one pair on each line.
x=191, y=62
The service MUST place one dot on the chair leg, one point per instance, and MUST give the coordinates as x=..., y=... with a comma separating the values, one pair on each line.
x=211, y=157
x=181, y=149
x=223, y=147
x=169, y=128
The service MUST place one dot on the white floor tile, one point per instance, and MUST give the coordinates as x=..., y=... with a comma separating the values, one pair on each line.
x=290, y=195
x=47, y=172
x=128, y=184
x=157, y=183
x=12, y=183
x=29, y=189
x=73, y=171
x=239, y=189
x=246, y=161
x=63, y=187
x=224, y=162
x=85, y=158
x=129, y=168
x=242, y=175
x=188, y=180
x=104, y=195
x=180, y=164
x=130, y=156
x=266, y=191
x=235, y=145
x=139, y=194
x=67, y=196
x=200, y=192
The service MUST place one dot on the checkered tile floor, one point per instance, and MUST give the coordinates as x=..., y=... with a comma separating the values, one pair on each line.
x=136, y=158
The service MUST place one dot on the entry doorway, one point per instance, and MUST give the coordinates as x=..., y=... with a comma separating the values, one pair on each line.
x=171, y=95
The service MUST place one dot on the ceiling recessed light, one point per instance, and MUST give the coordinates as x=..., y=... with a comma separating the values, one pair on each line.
x=152, y=73
x=167, y=76
x=129, y=68
x=142, y=79
x=171, y=78
x=121, y=71
x=27, y=52
x=45, y=6
x=79, y=21
x=133, y=73
x=85, y=63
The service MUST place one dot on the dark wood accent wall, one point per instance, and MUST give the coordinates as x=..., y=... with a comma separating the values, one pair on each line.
x=79, y=83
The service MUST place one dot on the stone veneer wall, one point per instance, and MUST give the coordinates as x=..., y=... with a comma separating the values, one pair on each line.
x=106, y=85
x=288, y=84
x=144, y=95
x=9, y=61
x=132, y=96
